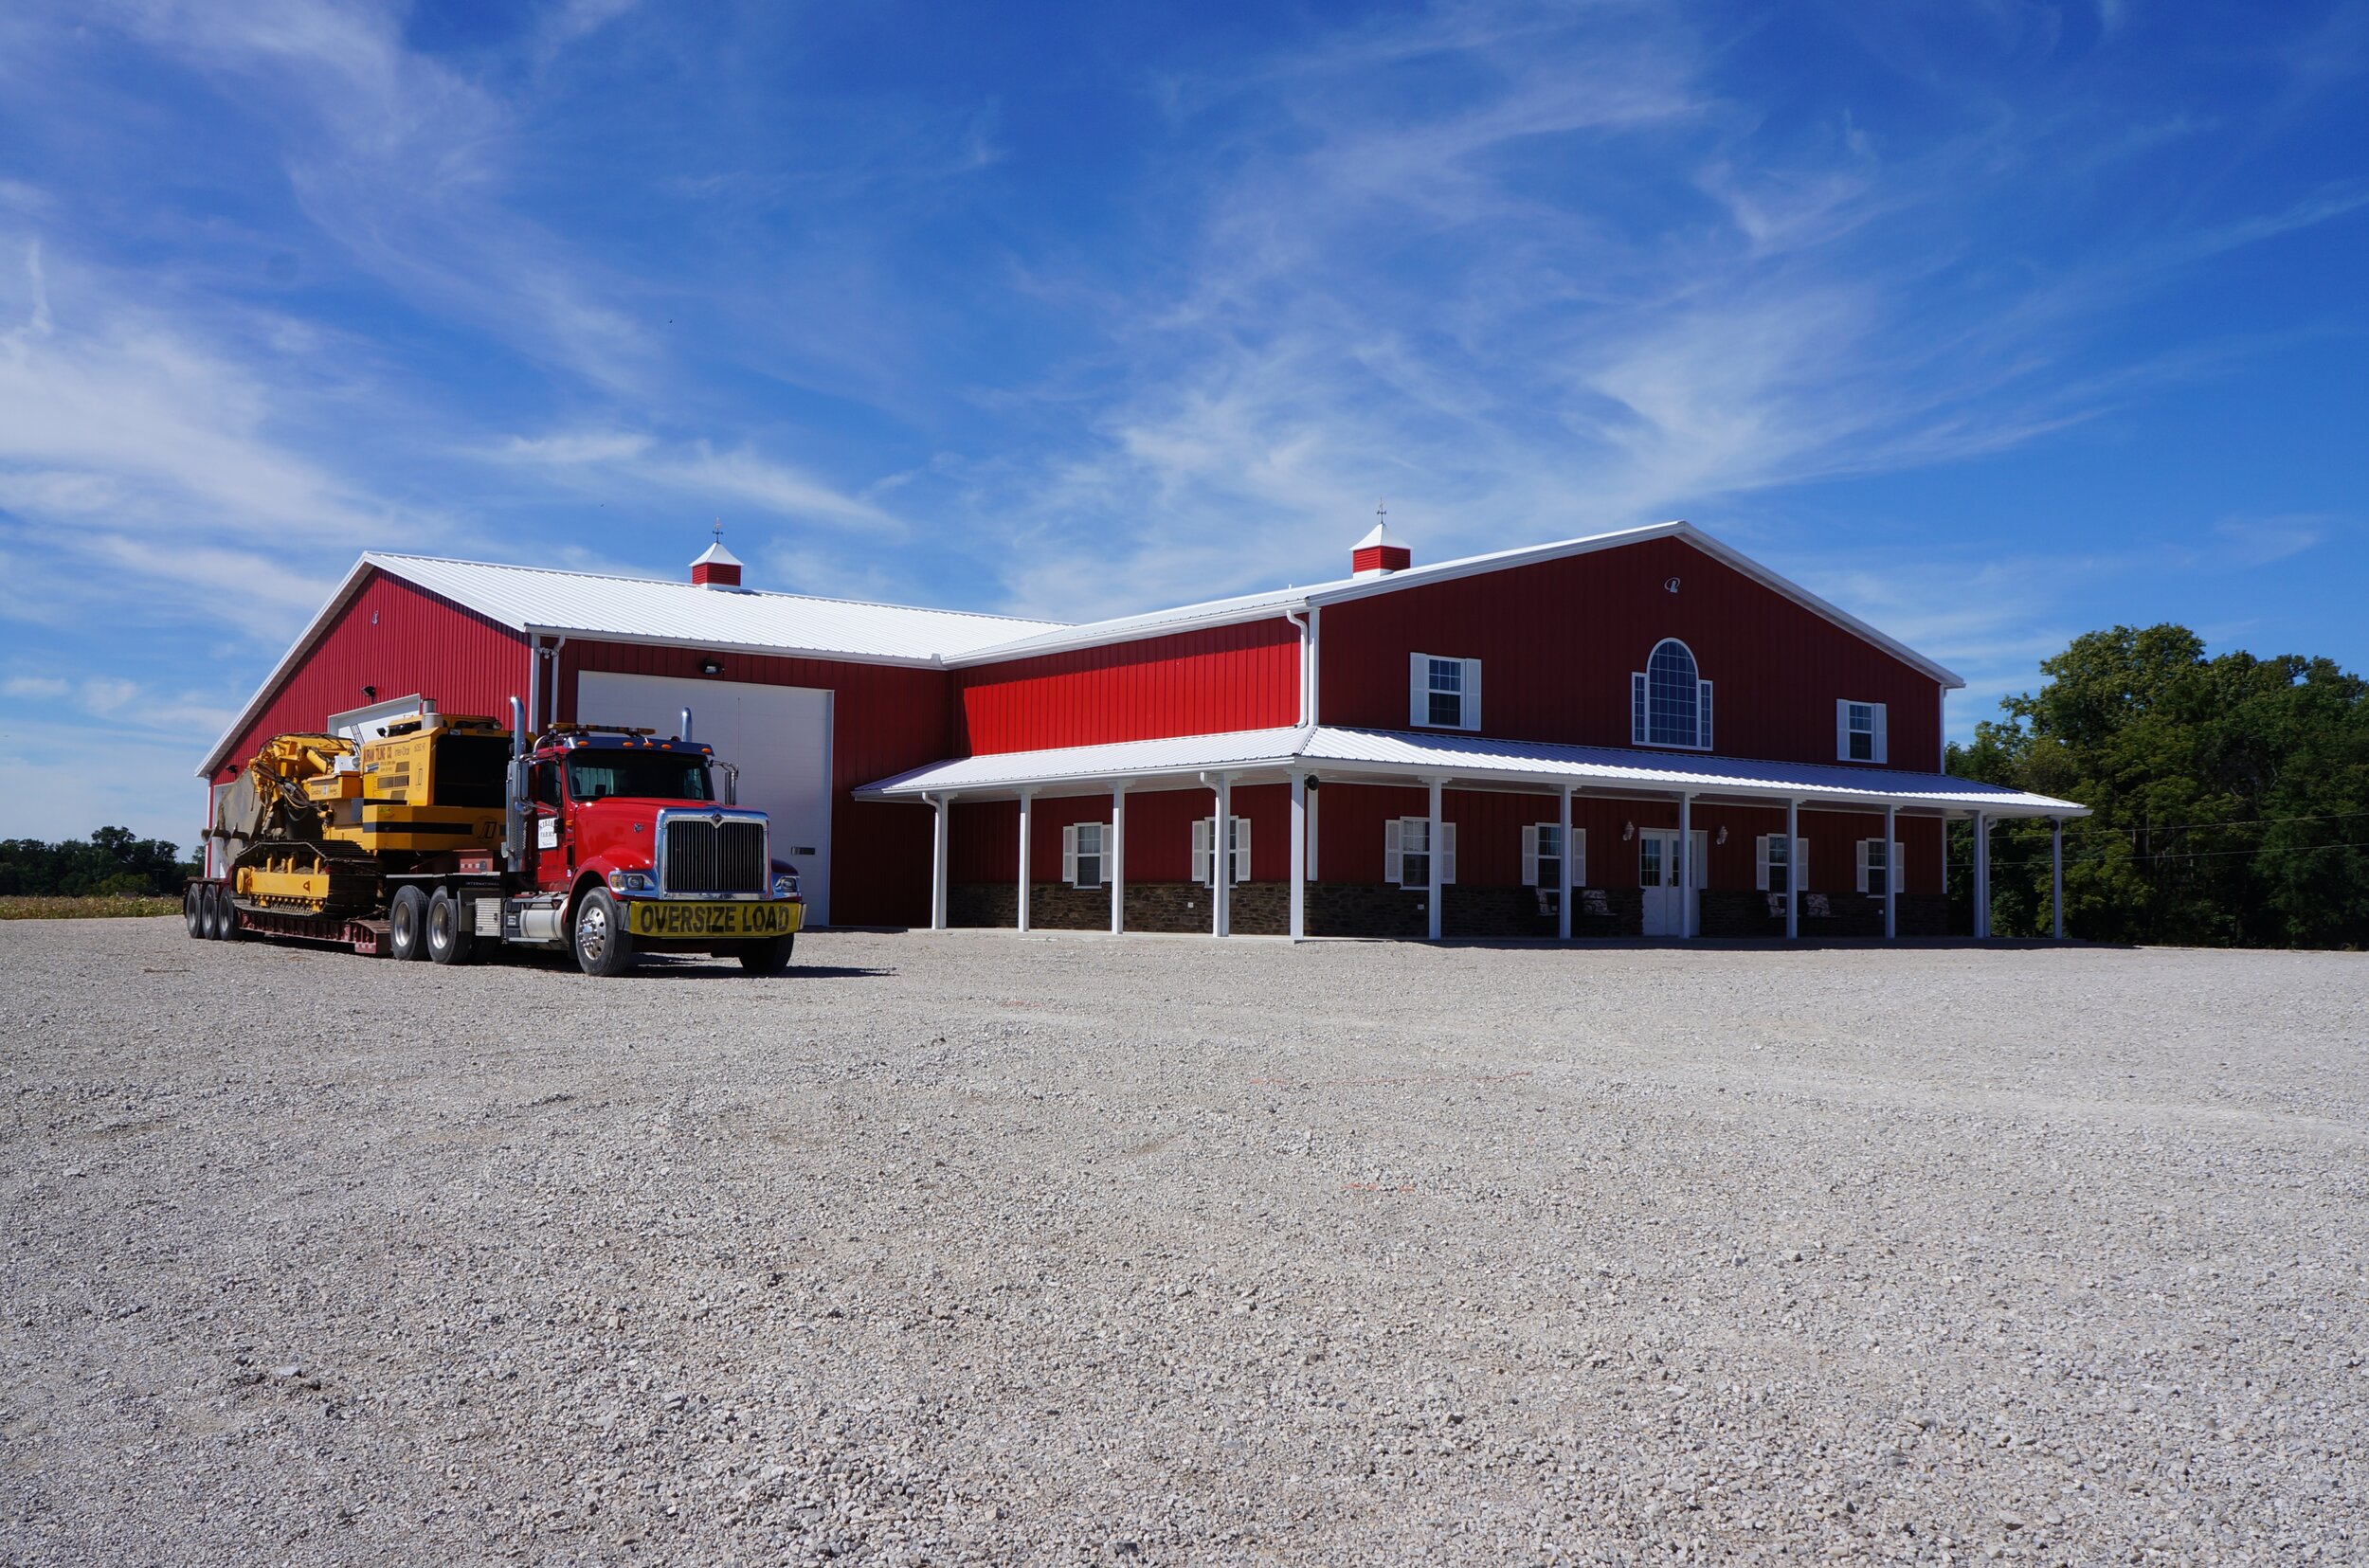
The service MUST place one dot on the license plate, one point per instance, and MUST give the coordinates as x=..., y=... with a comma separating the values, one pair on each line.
x=651, y=918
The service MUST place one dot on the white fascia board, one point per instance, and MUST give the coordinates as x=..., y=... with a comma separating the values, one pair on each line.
x=351, y=584
x=760, y=650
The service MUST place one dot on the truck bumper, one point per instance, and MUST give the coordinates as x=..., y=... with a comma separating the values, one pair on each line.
x=713, y=920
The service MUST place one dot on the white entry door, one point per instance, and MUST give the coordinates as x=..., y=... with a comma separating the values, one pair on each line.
x=1665, y=903
x=778, y=736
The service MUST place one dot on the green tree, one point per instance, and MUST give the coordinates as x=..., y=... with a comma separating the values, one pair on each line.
x=2229, y=795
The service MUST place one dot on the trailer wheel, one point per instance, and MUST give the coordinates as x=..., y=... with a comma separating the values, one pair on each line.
x=450, y=935
x=407, y=924
x=770, y=957
x=193, y=914
x=603, y=945
x=222, y=916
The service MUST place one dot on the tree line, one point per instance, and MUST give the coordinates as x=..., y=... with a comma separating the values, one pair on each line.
x=2229, y=796
x=111, y=860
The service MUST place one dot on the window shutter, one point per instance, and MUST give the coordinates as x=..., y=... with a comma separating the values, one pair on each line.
x=1529, y=857
x=1417, y=689
x=1702, y=737
x=1069, y=853
x=1472, y=694
x=1842, y=730
x=1798, y=868
x=1201, y=853
x=1242, y=849
x=1699, y=859
x=1893, y=869
x=1863, y=844
x=1575, y=859
x=1880, y=749
x=1393, y=859
x=1760, y=856
x=1636, y=709
x=1447, y=851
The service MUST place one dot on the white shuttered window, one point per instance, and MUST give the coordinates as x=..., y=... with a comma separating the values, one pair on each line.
x=1204, y=831
x=1860, y=732
x=1085, y=854
x=1406, y=852
x=1442, y=693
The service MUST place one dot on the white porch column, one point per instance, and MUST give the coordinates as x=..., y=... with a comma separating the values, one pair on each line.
x=1982, y=875
x=1221, y=860
x=1118, y=858
x=1025, y=818
x=1437, y=859
x=1793, y=871
x=1562, y=895
x=1299, y=857
x=1892, y=872
x=941, y=834
x=1685, y=864
x=2056, y=875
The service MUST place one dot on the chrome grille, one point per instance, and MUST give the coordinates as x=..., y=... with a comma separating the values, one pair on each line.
x=705, y=857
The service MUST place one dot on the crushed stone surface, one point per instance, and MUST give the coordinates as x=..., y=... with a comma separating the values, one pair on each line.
x=979, y=1248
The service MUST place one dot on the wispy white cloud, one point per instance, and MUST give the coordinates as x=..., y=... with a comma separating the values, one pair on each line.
x=657, y=472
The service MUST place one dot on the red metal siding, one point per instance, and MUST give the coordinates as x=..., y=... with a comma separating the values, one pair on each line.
x=1195, y=683
x=401, y=640
x=885, y=720
x=985, y=846
x=1558, y=640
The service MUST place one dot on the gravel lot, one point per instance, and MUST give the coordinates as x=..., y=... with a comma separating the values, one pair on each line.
x=985, y=1249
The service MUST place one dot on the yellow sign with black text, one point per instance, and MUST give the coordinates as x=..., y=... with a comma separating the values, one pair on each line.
x=651, y=917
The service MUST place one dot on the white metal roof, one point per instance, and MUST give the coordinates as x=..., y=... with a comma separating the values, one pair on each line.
x=530, y=600
x=1387, y=755
x=1274, y=602
x=638, y=609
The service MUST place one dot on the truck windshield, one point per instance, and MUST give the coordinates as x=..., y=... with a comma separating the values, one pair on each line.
x=645, y=775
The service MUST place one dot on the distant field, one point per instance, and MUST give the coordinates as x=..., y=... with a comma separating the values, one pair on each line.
x=85, y=909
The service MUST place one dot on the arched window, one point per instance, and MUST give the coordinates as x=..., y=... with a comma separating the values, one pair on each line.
x=1670, y=704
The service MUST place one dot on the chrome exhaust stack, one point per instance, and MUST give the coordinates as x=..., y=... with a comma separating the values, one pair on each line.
x=517, y=806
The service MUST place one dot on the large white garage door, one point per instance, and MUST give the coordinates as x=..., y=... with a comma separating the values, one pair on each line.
x=780, y=736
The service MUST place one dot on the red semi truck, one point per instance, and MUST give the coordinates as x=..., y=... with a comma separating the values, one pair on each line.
x=430, y=834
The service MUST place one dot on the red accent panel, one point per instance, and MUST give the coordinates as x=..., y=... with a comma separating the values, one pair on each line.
x=1557, y=643
x=704, y=572
x=885, y=720
x=401, y=640
x=1381, y=558
x=1194, y=683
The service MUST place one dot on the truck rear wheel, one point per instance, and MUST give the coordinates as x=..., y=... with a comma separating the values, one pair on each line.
x=450, y=932
x=407, y=924
x=194, y=909
x=603, y=945
x=770, y=957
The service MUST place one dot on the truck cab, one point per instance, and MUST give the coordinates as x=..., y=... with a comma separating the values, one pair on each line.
x=628, y=842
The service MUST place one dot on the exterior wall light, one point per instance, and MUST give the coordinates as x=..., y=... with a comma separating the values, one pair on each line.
x=710, y=667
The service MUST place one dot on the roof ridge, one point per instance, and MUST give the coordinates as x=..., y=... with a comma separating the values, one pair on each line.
x=381, y=555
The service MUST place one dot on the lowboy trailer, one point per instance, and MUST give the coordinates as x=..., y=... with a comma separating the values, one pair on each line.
x=431, y=834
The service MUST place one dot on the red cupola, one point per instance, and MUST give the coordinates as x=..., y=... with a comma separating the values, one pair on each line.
x=1380, y=551
x=716, y=568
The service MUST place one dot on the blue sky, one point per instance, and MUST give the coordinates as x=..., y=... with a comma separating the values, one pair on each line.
x=1993, y=322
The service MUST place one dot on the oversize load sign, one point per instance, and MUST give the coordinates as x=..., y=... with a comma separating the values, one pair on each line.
x=727, y=920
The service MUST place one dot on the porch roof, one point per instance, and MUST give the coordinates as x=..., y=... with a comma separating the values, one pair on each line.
x=1392, y=756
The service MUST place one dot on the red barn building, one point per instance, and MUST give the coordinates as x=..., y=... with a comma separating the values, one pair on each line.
x=1637, y=733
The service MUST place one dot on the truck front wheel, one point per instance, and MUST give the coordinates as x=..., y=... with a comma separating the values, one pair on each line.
x=603, y=945
x=450, y=932
x=770, y=957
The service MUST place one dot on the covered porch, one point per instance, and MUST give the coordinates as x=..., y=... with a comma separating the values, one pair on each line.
x=1333, y=831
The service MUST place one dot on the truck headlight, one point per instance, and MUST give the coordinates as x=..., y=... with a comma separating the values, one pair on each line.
x=630, y=881
x=784, y=884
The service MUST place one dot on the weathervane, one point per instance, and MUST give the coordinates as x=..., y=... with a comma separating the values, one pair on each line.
x=718, y=531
